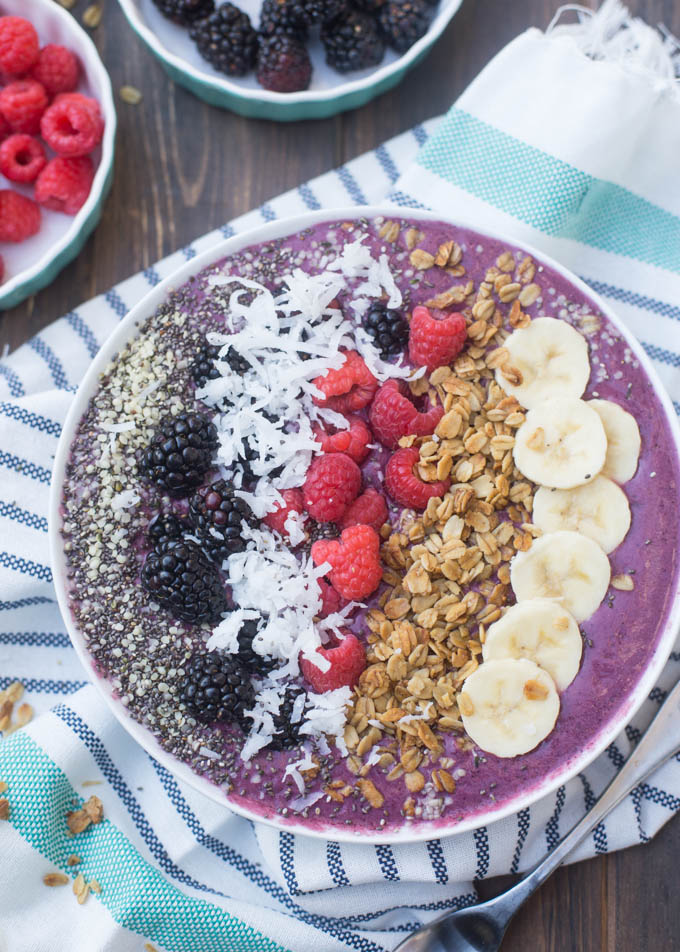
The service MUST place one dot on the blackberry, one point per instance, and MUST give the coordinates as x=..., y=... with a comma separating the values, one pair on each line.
x=180, y=452
x=204, y=367
x=227, y=40
x=217, y=687
x=402, y=22
x=166, y=527
x=180, y=577
x=184, y=12
x=247, y=456
x=237, y=362
x=286, y=731
x=388, y=328
x=321, y=11
x=246, y=654
x=250, y=454
x=371, y=6
x=216, y=514
x=352, y=41
x=283, y=64
x=283, y=17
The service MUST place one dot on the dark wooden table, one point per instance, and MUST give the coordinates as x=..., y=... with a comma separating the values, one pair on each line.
x=183, y=168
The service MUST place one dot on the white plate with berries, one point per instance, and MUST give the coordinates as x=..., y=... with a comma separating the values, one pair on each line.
x=289, y=59
x=353, y=524
x=57, y=132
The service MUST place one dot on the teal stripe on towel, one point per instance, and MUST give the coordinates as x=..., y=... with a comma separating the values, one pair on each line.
x=549, y=194
x=135, y=893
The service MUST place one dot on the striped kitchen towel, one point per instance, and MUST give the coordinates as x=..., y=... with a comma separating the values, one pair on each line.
x=567, y=140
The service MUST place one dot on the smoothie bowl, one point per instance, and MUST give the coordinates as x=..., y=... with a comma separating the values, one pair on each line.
x=366, y=525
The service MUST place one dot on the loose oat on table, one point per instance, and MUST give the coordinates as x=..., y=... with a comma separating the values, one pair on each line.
x=92, y=16
x=81, y=888
x=91, y=812
x=56, y=879
x=130, y=95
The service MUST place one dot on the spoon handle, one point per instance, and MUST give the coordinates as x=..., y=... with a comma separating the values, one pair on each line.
x=660, y=741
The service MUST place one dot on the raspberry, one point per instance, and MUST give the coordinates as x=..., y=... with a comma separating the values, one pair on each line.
x=72, y=125
x=19, y=46
x=294, y=502
x=283, y=64
x=353, y=441
x=22, y=158
x=64, y=184
x=22, y=103
x=19, y=216
x=332, y=483
x=4, y=127
x=368, y=509
x=392, y=415
x=330, y=599
x=434, y=342
x=348, y=389
x=355, y=559
x=404, y=486
x=347, y=660
x=57, y=69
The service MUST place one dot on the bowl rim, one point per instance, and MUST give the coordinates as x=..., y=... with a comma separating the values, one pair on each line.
x=95, y=66
x=128, y=328
x=226, y=85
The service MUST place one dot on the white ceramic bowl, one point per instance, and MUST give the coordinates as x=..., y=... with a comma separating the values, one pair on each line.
x=32, y=264
x=127, y=330
x=330, y=92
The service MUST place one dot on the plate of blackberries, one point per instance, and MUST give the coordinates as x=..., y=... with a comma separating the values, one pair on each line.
x=289, y=59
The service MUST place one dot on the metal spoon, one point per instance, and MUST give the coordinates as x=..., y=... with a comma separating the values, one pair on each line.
x=481, y=928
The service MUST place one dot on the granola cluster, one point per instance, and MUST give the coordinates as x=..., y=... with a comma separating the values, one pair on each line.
x=447, y=569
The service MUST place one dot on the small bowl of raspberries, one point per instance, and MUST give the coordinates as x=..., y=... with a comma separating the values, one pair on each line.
x=57, y=131
x=289, y=59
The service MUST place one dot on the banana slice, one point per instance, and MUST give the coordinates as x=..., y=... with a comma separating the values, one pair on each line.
x=623, y=440
x=541, y=631
x=565, y=566
x=561, y=443
x=508, y=707
x=598, y=510
x=549, y=358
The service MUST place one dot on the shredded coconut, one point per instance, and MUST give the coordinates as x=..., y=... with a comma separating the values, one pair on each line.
x=326, y=714
x=207, y=752
x=119, y=427
x=305, y=763
x=295, y=527
x=225, y=636
x=288, y=338
x=125, y=499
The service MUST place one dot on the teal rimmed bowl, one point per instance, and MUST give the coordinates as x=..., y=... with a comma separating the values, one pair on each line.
x=35, y=263
x=329, y=93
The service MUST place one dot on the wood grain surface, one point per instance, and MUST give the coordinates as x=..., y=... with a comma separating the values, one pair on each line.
x=183, y=168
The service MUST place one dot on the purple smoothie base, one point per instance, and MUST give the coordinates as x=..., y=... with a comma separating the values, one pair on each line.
x=619, y=640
